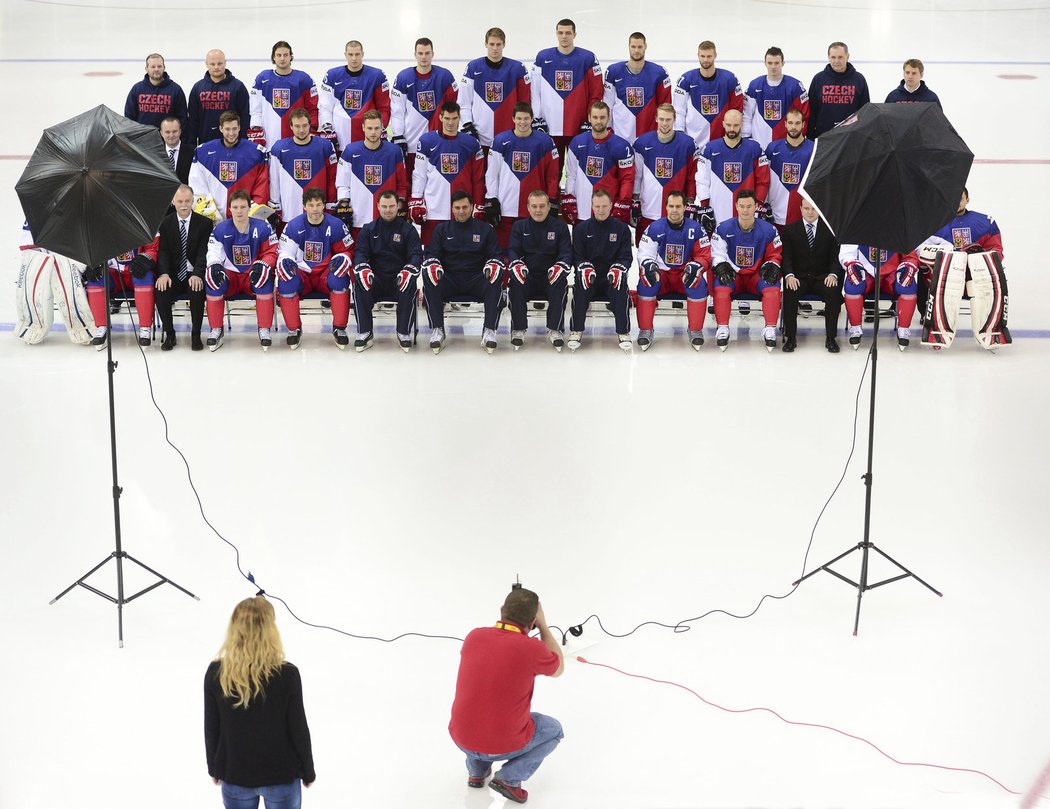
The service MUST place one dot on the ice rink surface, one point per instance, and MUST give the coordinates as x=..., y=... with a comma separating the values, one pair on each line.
x=382, y=493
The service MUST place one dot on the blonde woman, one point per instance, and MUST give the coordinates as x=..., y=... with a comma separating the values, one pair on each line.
x=255, y=731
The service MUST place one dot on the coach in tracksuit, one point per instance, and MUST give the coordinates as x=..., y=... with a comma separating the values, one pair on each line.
x=540, y=255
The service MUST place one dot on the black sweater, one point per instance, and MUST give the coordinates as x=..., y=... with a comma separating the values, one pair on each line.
x=833, y=97
x=266, y=743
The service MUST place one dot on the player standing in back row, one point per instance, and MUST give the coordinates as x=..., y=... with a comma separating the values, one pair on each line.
x=490, y=88
x=704, y=95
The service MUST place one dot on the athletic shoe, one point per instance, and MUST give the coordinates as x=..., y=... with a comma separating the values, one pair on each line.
x=437, y=340
x=363, y=342
x=341, y=340
x=625, y=342
x=215, y=339
x=488, y=340
x=405, y=341
x=769, y=335
x=696, y=339
x=145, y=336
x=556, y=339
x=100, y=337
x=478, y=781
x=855, y=333
x=722, y=337
x=575, y=340
x=744, y=308
x=294, y=337
x=264, y=338
x=645, y=339
x=903, y=338
x=516, y=794
x=517, y=339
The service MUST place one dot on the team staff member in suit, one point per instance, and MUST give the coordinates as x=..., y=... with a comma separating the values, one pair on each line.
x=182, y=273
x=178, y=155
x=255, y=732
x=811, y=267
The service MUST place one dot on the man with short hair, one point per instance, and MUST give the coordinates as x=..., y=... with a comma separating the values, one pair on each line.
x=704, y=95
x=156, y=97
x=811, y=266
x=771, y=97
x=218, y=92
x=182, y=252
x=447, y=161
x=634, y=90
x=316, y=254
x=521, y=160
x=179, y=155
x=491, y=714
x=745, y=254
x=242, y=253
x=835, y=93
x=674, y=257
x=463, y=258
x=367, y=168
x=276, y=93
x=598, y=159
x=415, y=98
x=540, y=256
x=298, y=163
x=566, y=80
x=601, y=247
x=348, y=92
x=727, y=166
x=490, y=88
x=788, y=160
x=386, y=268
x=230, y=163
x=665, y=161
x=912, y=87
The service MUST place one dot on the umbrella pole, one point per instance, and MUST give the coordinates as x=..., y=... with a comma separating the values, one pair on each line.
x=119, y=555
x=867, y=545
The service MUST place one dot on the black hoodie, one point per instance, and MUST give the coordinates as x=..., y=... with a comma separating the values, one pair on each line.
x=833, y=97
x=149, y=104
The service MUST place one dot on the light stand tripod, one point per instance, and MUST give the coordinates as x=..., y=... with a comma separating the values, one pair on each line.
x=119, y=555
x=867, y=545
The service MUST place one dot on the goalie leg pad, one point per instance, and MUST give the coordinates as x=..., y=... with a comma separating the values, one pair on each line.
x=947, y=282
x=36, y=305
x=989, y=299
x=67, y=287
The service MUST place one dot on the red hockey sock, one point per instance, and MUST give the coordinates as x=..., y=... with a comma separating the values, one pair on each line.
x=216, y=311
x=905, y=310
x=646, y=312
x=290, y=312
x=144, y=305
x=340, y=309
x=696, y=314
x=771, y=305
x=97, y=303
x=723, y=304
x=854, y=309
x=264, y=311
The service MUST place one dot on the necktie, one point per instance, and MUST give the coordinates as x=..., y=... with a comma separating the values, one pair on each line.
x=171, y=158
x=810, y=234
x=183, y=236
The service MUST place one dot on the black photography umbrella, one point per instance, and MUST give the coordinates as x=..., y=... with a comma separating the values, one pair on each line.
x=886, y=177
x=98, y=186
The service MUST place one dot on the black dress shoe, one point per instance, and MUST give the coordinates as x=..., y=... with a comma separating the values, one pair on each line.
x=197, y=344
x=168, y=341
x=789, y=345
x=831, y=345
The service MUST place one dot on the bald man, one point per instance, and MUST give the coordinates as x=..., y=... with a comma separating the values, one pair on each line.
x=728, y=165
x=213, y=95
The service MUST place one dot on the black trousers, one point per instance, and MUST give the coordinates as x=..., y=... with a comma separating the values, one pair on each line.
x=812, y=286
x=384, y=288
x=601, y=289
x=181, y=289
x=472, y=285
x=536, y=287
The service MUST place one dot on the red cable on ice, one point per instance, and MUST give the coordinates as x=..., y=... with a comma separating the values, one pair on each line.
x=791, y=722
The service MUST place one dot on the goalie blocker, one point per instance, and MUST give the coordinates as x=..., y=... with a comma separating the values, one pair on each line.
x=980, y=277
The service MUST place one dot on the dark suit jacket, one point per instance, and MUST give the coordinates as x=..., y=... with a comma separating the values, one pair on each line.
x=798, y=259
x=182, y=163
x=170, y=247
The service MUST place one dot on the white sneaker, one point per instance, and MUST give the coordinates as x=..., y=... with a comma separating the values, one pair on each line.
x=575, y=340
x=769, y=335
x=556, y=339
x=145, y=336
x=437, y=340
x=488, y=340
x=722, y=337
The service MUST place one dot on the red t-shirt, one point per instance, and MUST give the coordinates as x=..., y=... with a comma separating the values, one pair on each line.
x=497, y=670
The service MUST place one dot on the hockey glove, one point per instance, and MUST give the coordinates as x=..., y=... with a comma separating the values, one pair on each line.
x=341, y=265
x=568, y=209
x=432, y=267
x=259, y=275
x=330, y=136
x=402, y=144
x=906, y=273
x=493, y=211
x=586, y=126
x=692, y=274
x=725, y=274
x=540, y=125
x=417, y=210
x=587, y=274
x=256, y=135
x=764, y=211
x=519, y=270
x=972, y=248
x=617, y=276
x=141, y=265
x=493, y=270
x=407, y=277
x=854, y=272
x=704, y=214
x=636, y=212
x=557, y=270
x=555, y=207
x=479, y=212
x=364, y=275
x=215, y=277
x=287, y=269
x=472, y=130
x=94, y=273
x=649, y=273
x=769, y=272
x=344, y=212
x=621, y=210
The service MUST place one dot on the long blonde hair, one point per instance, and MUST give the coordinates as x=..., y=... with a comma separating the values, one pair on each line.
x=252, y=652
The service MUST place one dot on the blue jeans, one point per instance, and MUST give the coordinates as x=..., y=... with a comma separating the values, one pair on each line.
x=280, y=796
x=521, y=764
